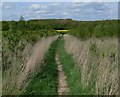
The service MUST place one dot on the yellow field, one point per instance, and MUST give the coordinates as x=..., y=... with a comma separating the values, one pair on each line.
x=62, y=31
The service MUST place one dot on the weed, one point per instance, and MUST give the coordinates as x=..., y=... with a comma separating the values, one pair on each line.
x=45, y=82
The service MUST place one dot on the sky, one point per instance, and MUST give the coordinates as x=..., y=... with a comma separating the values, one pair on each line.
x=83, y=11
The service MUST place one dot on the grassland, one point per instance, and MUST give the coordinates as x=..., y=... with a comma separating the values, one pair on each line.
x=72, y=73
x=89, y=56
x=85, y=79
x=22, y=68
x=97, y=60
x=45, y=82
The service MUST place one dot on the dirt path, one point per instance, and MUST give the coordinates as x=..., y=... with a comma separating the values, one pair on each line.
x=62, y=82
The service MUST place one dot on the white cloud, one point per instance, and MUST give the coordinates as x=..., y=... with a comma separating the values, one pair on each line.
x=77, y=10
x=78, y=4
x=65, y=13
x=40, y=11
x=37, y=6
x=50, y=14
x=34, y=6
x=1, y=4
x=54, y=4
x=7, y=6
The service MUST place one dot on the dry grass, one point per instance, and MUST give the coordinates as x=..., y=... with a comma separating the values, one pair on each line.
x=18, y=75
x=98, y=61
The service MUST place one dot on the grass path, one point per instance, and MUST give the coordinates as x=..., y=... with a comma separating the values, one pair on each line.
x=55, y=78
x=62, y=79
x=71, y=71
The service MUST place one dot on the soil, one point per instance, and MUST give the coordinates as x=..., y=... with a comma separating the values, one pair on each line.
x=62, y=79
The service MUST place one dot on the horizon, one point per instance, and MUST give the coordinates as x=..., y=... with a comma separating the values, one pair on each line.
x=61, y=19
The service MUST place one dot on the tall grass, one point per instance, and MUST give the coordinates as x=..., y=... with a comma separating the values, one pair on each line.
x=45, y=82
x=97, y=60
x=22, y=68
x=72, y=73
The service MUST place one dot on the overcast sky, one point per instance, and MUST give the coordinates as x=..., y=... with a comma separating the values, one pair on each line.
x=63, y=10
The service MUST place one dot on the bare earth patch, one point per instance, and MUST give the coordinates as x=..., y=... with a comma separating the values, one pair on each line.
x=62, y=79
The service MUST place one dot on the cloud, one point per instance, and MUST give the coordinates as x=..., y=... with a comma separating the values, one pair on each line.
x=54, y=4
x=37, y=7
x=91, y=5
x=7, y=6
x=65, y=13
x=34, y=6
x=91, y=8
x=40, y=12
x=1, y=4
x=77, y=4
x=98, y=6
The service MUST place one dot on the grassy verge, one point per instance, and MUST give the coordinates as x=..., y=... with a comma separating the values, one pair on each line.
x=73, y=73
x=45, y=82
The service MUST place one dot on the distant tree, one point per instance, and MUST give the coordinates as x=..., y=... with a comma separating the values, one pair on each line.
x=5, y=25
x=12, y=39
x=13, y=26
x=21, y=18
x=21, y=25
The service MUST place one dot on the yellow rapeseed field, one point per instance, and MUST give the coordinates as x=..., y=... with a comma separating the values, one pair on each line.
x=62, y=31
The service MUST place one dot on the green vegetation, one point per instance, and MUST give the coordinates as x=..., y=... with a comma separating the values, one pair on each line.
x=88, y=29
x=72, y=73
x=80, y=29
x=45, y=82
x=17, y=34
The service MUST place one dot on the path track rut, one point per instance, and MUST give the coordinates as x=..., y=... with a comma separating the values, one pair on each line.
x=62, y=79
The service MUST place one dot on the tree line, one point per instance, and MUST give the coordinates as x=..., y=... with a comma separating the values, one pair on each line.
x=82, y=29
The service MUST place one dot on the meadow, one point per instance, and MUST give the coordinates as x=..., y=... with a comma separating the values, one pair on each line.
x=88, y=52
